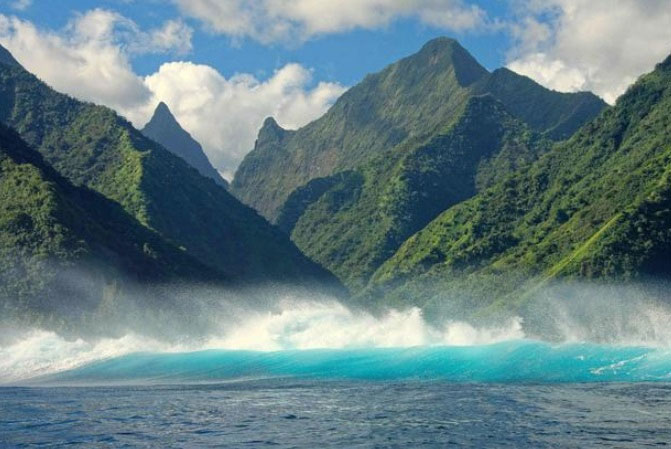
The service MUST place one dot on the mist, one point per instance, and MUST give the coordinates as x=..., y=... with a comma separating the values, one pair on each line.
x=125, y=317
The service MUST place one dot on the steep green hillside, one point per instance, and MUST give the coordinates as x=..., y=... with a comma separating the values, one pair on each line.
x=597, y=206
x=412, y=97
x=90, y=145
x=51, y=230
x=362, y=217
x=408, y=102
x=164, y=129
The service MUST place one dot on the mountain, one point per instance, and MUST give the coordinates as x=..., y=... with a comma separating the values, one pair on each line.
x=558, y=115
x=51, y=229
x=398, y=149
x=597, y=206
x=360, y=221
x=164, y=129
x=411, y=100
x=91, y=146
x=6, y=58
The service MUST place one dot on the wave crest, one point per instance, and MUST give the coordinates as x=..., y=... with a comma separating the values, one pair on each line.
x=326, y=338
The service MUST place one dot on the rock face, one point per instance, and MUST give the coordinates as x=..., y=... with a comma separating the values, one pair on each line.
x=397, y=150
x=92, y=146
x=164, y=129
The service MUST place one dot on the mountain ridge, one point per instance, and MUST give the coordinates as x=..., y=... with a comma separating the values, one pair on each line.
x=597, y=206
x=412, y=98
x=398, y=149
x=92, y=146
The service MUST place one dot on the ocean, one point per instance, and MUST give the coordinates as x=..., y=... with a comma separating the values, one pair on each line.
x=304, y=413
x=317, y=376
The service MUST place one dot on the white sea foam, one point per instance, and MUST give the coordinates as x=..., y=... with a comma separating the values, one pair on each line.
x=312, y=325
x=301, y=324
x=294, y=325
x=38, y=352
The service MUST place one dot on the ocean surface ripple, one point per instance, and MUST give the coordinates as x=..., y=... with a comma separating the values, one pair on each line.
x=354, y=414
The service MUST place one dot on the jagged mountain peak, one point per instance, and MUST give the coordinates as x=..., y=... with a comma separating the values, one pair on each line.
x=163, y=112
x=444, y=46
x=271, y=131
x=270, y=122
x=163, y=115
x=444, y=52
x=441, y=41
x=166, y=130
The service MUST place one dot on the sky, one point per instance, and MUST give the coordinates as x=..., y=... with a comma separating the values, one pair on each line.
x=223, y=66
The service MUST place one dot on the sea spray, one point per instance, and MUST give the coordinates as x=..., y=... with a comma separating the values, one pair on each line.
x=38, y=352
x=624, y=314
x=291, y=325
x=326, y=339
x=314, y=325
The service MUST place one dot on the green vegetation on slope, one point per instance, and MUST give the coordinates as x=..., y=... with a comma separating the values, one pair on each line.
x=397, y=150
x=409, y=101
x=90, y=145
x=597, y=206
x=51, y=230
x=362, y=219
x=411, y=98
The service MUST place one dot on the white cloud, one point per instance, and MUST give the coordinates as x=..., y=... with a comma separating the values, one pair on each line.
x=81, y=61
x=550, y=72
x=269, y=21
x=90, y=59
x=225, y=114
x=175, y=35
x=597, y=45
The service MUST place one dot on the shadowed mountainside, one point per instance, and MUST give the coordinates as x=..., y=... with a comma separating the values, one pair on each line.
x=51, y=229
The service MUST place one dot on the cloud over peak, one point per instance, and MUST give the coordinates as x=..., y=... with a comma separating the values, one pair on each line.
x=597, y=45
x=90, y=59
x=226, y=114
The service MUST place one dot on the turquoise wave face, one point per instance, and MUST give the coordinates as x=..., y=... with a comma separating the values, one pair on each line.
x=517, y=361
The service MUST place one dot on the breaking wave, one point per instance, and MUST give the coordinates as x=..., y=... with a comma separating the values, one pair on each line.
x=327, y=340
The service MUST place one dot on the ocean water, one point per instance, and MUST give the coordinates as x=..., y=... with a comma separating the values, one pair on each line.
x=511, y=361
x=509, y=394
x=288, y=413
x=316, y=375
